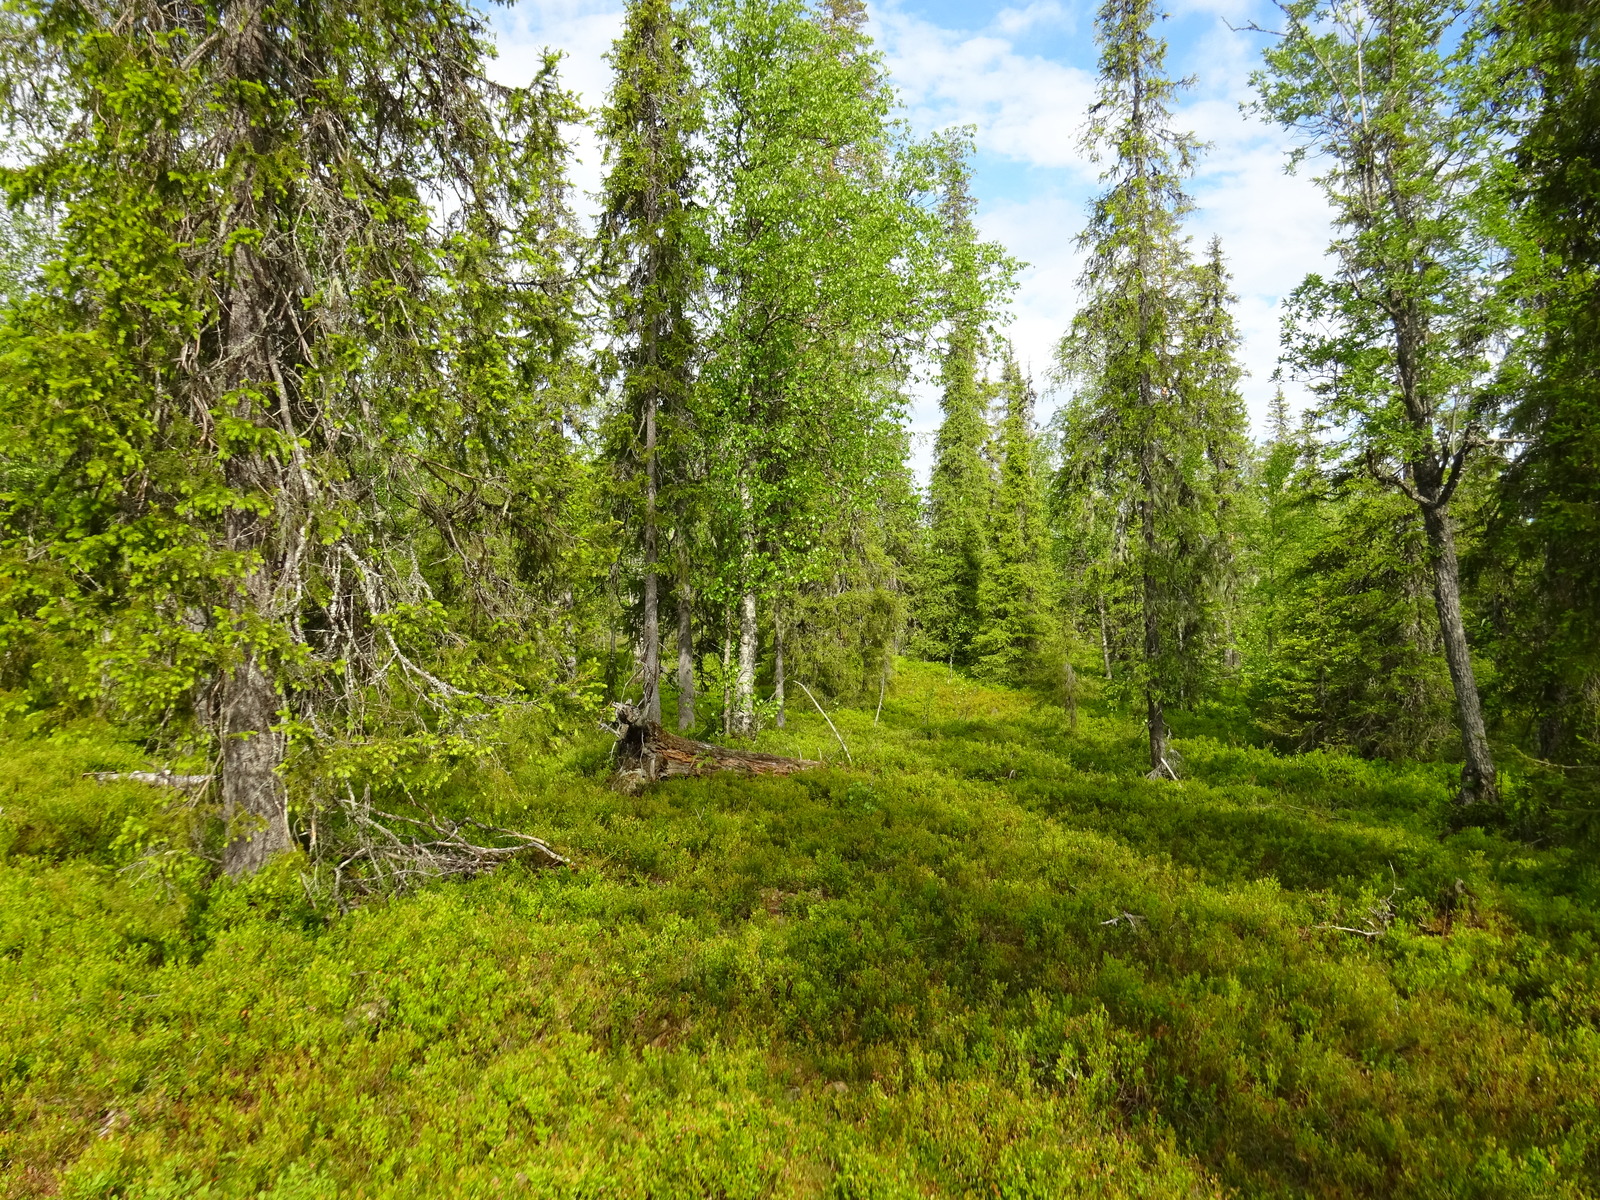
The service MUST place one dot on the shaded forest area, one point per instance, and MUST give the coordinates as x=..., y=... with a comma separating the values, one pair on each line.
x=352, y=486
x=333, y=436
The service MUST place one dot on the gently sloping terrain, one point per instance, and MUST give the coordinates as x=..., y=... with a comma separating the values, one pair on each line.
x=989, y=960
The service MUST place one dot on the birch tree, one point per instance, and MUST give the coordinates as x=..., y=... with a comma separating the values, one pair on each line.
x=1396, y=340
x=811, y=288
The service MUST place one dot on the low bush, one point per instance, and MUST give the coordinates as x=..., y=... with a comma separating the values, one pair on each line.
x=988, y=959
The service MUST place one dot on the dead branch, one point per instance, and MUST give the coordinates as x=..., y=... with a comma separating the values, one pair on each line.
x=829, y=720
x=1380, y=914
x=373, y=858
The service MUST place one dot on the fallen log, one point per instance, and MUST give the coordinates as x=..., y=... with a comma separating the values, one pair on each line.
x=158, y=778
x=645, y=751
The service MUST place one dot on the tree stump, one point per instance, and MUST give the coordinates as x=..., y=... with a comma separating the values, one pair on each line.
x=645, y=751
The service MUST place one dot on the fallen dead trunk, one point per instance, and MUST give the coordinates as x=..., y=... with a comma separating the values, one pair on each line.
x=158, y=778
x=646, y=751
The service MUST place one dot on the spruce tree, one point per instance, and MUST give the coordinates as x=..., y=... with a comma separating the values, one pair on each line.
x=1546, y=532
x=1017, y=641
x=647, y=233
x=1281, y=502
x=958, y=505
x=1222, y=425
x=292, y=445
x=1142, y=430
x=974, y=277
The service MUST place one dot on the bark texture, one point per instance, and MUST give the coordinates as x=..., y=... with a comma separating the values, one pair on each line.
x=652, y=589
x=777, y=665
x=253, y=801
x=685, y=658
x=645, y=751
x=744, y=696
x=1477, y=771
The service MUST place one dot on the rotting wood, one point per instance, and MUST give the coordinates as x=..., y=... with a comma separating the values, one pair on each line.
x=159, y=778
x=645, y=751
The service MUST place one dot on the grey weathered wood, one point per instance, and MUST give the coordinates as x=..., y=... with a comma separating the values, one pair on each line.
x=647, y=751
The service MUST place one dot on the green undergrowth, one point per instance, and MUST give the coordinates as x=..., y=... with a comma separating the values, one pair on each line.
x=986, y=959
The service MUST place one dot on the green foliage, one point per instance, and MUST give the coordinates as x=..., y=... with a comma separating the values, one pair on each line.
x=1354, y=660
x=812, y=231
x=975, y=280
x=1542, y=559
x=911, y=978
x=649, y=237
x=260, y=406
x=957, y=553
x=1020, y=639
x=1153, y=435
x=1398, y=341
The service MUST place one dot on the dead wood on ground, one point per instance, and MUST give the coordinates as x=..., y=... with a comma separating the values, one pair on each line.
x=645, y=751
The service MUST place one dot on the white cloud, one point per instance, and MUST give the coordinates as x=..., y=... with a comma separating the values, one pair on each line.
x=1026, y=107
x=1012, y=21
x=583, y=31
x=1034, y=178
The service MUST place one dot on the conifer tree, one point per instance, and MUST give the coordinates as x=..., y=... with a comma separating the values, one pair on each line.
x=1143, y=427
x=975, y=276
x=1017, y=640
x=1279, y=517
x=1212, y=374
x=291, y=448
x=1546, y=543
x=958, y=505
x=647, y=232
x=1396, y=340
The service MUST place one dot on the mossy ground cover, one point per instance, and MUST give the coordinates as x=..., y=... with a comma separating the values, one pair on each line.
x=988, y=959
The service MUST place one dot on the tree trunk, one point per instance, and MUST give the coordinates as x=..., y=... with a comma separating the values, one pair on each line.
x=1155, y=719
x=744, y=698
x=1477, y=772
x=254, y=805
x=777, y=662
x=652, y=605
x=1105, y=634
x=727, y=666
x=685, y=657
x=1155, y=716
x=253, y=801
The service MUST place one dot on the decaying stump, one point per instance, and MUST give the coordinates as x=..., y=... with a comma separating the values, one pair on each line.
x=646, y=751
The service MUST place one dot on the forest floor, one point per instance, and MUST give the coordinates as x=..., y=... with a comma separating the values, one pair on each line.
x=989, y=959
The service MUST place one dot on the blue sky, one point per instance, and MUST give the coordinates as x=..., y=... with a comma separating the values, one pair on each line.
x=1023, y=74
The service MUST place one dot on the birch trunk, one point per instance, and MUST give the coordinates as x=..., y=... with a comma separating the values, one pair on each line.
x=777, y=663
x=744, y=701
x=1105, y=635
x=727, y=666
x=1477, y=772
